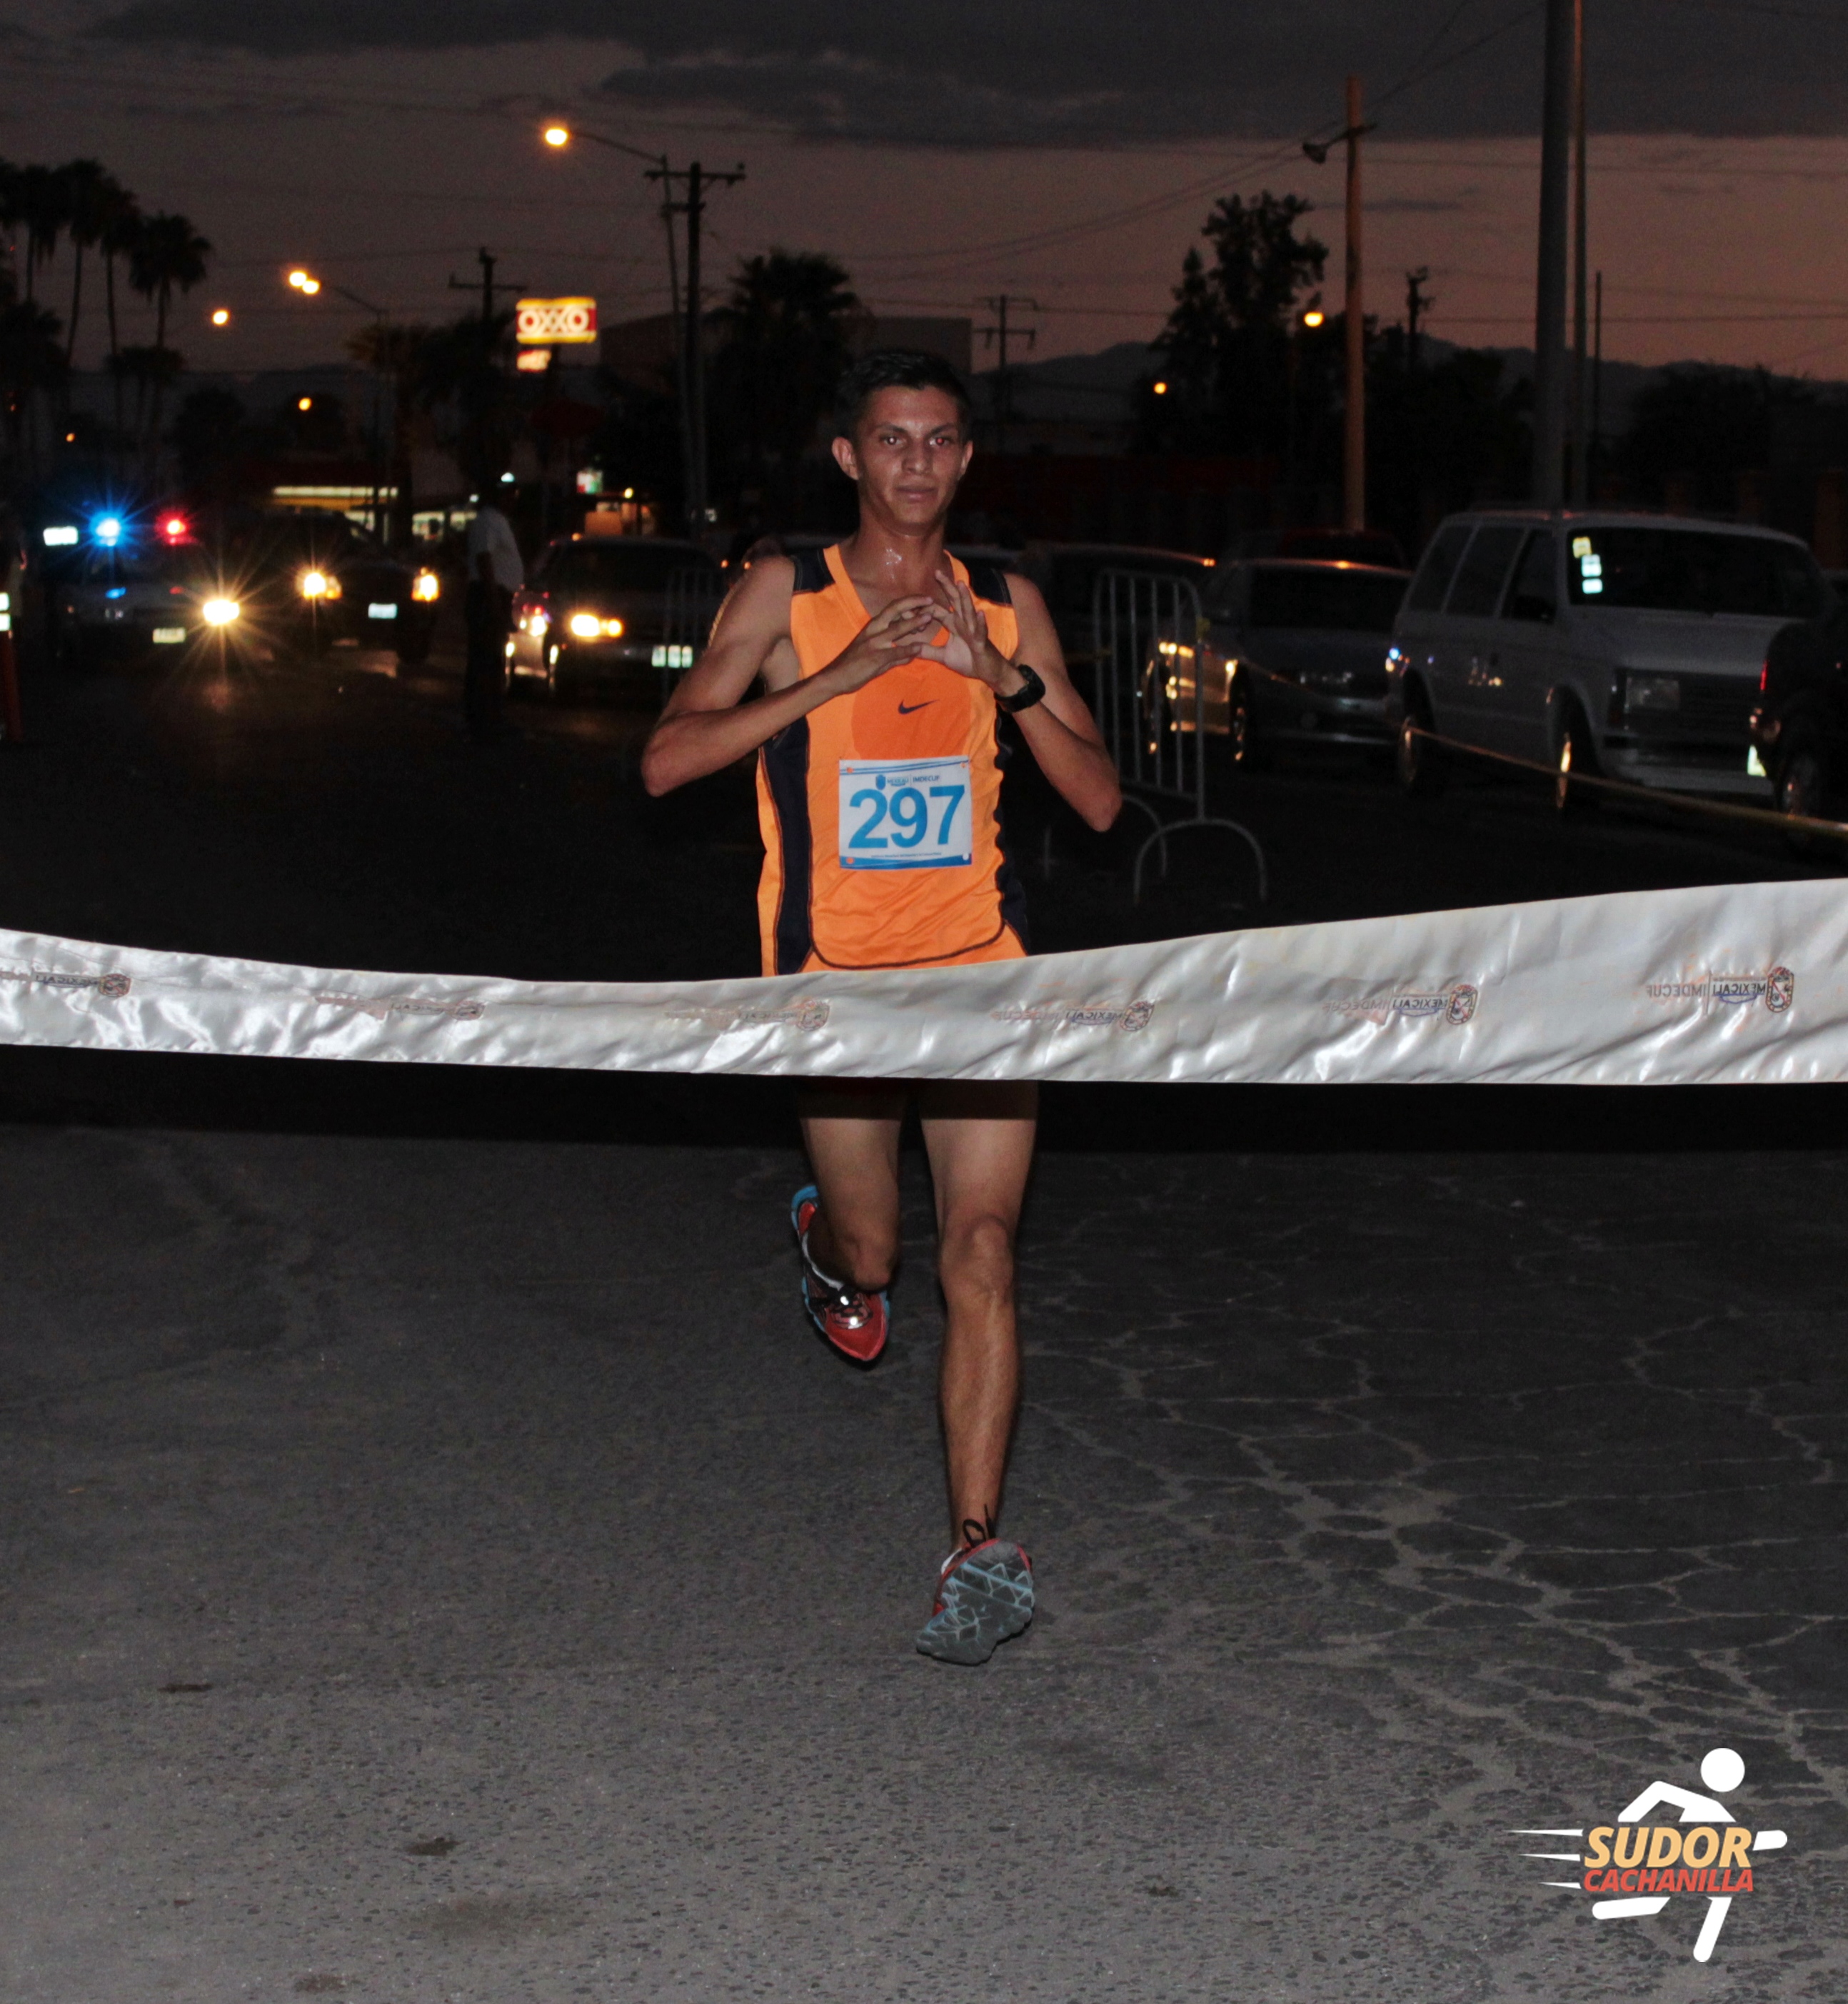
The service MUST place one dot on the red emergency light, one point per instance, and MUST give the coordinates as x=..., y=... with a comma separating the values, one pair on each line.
x=174, y=527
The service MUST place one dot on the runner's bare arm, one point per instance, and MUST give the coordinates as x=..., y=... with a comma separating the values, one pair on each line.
x=1064, y=737
x=707, y=725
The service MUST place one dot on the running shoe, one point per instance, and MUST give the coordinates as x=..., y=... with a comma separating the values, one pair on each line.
x=853, y=1323
x=984, y=1594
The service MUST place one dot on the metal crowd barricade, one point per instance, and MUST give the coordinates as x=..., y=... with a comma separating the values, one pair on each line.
x=1151, y=704
x=692, y=599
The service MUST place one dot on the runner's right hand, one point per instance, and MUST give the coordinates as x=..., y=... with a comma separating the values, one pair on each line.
x=888, y=637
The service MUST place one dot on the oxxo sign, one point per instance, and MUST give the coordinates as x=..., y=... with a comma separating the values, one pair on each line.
x=547, y=322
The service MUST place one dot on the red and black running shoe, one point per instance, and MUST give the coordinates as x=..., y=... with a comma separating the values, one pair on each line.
x=853, y=1323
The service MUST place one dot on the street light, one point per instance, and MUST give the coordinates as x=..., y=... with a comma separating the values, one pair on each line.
x=306, y=283
x=687, y=334
x=221, y=315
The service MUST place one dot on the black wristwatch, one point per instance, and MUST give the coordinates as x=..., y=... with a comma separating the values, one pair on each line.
x=1025, y=697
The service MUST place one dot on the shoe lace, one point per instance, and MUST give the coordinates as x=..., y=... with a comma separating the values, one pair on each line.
x=848, y=1302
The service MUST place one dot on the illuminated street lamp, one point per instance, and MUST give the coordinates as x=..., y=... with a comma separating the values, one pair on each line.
x=221, y=315
x=306, y=283
x=690, y=353
x=1313, y=318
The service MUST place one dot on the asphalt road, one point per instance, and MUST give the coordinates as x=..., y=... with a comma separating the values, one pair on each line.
x=441, y=1565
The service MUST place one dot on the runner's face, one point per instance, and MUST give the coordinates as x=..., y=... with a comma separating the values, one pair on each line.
x=907, y=454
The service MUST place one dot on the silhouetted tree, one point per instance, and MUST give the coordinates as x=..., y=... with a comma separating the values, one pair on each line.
x=1704, y=425
x=122, y=221
x=1227, y=352
x=32, y=363
x=169, y=256
x=1441, y=435
x=90, y=195
x=784, y=341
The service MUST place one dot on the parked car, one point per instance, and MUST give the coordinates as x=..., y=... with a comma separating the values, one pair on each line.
x=612, y=609
x=313, y=579
x=133, y=595
x=1622, y=644
x=1364, y=546
x=1799, y=726
x=1295, y=653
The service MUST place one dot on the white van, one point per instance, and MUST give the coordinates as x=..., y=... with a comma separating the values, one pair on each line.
x=1620, y=643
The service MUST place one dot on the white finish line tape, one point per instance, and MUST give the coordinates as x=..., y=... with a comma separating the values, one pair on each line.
x=1726, y=985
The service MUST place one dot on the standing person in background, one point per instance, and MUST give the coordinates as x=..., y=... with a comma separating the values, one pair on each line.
x=495, y=573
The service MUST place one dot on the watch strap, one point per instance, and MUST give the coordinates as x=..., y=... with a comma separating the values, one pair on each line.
x=1026, y=697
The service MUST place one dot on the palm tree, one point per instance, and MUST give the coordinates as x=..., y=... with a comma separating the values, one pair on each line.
x=785, y=328
x=31, y=360
x=44, y=209
x=412, y=359
x=150, y=369
x=89, y=187
x=122, y=231
x=12, y=214
x=169, y=256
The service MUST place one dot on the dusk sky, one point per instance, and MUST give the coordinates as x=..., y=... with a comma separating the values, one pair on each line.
x=945, y=150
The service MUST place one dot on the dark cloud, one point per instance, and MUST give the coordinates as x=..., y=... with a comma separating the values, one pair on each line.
x=965, y=72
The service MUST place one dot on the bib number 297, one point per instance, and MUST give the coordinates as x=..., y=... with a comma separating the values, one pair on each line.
x=906, y=813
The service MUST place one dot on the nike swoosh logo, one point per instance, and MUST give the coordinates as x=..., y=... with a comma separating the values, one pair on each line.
x=910, y=709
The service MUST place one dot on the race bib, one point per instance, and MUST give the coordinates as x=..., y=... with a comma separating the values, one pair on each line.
x=906, y=813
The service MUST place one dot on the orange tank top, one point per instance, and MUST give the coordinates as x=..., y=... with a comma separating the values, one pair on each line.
x=881, y=811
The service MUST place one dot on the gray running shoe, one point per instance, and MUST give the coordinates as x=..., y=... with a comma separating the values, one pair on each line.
x=984, y=1594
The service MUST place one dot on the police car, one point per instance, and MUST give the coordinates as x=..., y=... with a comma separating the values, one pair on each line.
x=138, y=588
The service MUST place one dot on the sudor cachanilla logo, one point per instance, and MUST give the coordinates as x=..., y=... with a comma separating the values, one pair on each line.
x=1705, y=1853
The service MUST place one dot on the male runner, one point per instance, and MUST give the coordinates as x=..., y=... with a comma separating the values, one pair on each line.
x=884, y=664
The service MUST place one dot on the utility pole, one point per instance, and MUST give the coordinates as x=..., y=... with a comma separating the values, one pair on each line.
x=1549, y=288
x=1419, y=303
x=1596, y=360
x=1354, y=454
x=489, y=285
x=693, y=350
x=1580, y=388
x=997, y=304
x=688, y=335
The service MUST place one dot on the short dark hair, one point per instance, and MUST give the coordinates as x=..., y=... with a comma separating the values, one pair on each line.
x=895, y=368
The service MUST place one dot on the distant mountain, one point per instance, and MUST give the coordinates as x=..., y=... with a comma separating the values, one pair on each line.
x=1097, y=389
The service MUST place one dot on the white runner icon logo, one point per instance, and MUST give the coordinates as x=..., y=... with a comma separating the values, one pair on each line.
x=1646, y=1865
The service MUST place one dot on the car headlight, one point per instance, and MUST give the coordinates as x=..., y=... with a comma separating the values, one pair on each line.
x=588, y=626
x=220, y=611
x=317, y=584
x=1652, y=692
x=426, y=587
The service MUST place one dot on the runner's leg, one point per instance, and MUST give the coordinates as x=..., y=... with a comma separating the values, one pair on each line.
x=850, y=1128
x=979, y=1137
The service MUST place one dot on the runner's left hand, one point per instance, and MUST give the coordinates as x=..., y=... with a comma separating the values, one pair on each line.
x=965, y=647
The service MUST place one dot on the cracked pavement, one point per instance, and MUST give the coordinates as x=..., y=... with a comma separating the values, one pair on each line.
x=441, y=1564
